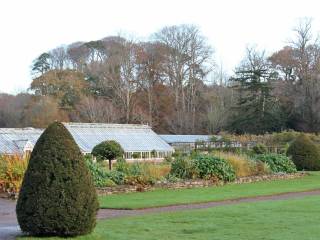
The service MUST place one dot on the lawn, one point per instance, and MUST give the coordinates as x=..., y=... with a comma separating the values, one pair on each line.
x=293, y=219
x=165, y=197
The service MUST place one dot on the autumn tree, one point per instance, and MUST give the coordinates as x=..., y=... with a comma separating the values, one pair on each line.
x=298, y=68
x=67, y=86
x=41, y=111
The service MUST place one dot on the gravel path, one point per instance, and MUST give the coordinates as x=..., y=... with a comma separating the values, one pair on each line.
x=8, y=223
x=9, y=226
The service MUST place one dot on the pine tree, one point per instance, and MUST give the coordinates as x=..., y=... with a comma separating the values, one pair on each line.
x=257, y=111
x=57, y=197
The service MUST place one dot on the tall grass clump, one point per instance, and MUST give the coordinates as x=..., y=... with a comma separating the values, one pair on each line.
x=240, y=163
x=12, y=169
x=243, y=165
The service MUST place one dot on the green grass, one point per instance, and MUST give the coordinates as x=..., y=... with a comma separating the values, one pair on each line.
x=293, y=219
x=165, y=197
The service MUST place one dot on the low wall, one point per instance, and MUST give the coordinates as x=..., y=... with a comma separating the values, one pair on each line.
x=194, y=183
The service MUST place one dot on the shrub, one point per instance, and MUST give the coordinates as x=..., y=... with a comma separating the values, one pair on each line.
x=107, y=150
x=210, y=167
x=183, y=167
x=304, y=153
x=277, y=162
x=122, y=165
x=12, y=169
x=260, y=149
x=103, y=178
x=57, y=196
x=117, y=177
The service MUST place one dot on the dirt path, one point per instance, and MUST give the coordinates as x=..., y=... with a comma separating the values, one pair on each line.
x=9, y=226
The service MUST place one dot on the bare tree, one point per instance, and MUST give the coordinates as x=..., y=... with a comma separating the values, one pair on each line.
x=97, y=110
x=186, y=64
x=121, y=75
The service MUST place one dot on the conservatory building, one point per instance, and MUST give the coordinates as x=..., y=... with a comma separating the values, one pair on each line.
x=139, y=142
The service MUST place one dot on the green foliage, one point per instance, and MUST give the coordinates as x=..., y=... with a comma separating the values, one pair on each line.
x=260, y=149
x=304, y=153
x=183, y=167
x=214, y=138
x=122, y=165
x=209, y=167
x=277, y=162
x=107, y=150
x=135, y=155
x=41, y=64
x=57, y=195
x=103, y=178
x=257, y=111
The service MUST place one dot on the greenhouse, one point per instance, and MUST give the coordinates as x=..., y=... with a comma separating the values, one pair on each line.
x=138, y=141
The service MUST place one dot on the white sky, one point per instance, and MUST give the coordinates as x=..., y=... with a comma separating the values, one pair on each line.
x=31, y=27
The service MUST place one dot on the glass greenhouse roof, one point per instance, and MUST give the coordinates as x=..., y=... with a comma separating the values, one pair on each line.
x=132, y=138
x=185, y=138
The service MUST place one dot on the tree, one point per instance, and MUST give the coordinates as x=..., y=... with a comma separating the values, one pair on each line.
x=96, y=109
x=298, y=70
x=65, y=85
x=57, y=196
x=257, y=111
x=12, y=108
x=187, y=61
x=40, y=111
x=108, y=150
x=42, y=64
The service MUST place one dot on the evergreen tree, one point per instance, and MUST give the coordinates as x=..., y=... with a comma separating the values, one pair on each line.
x=57, y=197
x=257, y=111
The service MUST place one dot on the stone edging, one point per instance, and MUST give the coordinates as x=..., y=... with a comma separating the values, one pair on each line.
x=194, y=183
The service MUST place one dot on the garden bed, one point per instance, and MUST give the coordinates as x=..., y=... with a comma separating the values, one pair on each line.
x=182, y=184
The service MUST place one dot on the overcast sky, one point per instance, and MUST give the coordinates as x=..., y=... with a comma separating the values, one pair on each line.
x=31, y=27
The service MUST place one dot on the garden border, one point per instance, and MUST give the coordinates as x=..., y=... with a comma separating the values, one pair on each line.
x=194, y=183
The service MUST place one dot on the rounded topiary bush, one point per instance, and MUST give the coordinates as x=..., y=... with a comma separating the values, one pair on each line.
x=107, y=150
x=304, y=153
x=57, y=196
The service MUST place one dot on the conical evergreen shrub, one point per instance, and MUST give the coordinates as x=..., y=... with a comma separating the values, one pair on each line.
x=304, y=153
x=57, y=196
